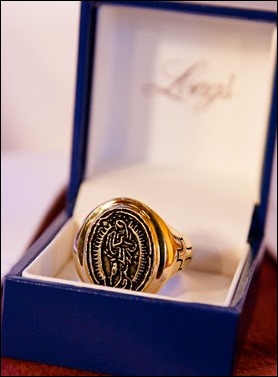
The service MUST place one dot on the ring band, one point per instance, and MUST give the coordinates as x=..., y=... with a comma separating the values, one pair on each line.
x=123, y=243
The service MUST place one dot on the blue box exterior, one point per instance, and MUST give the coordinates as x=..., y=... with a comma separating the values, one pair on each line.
x=116, y=333
x=119, y=333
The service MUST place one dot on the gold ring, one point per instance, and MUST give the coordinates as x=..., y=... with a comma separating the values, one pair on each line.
x=123, y=243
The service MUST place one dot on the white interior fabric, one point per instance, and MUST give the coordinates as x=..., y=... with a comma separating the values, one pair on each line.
x=181, y=89
x=55, y=264
x=179, y=116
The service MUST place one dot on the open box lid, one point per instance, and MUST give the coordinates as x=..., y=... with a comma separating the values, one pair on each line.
x=194, y=88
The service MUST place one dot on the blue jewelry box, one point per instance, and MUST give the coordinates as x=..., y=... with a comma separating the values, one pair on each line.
x=175, y=106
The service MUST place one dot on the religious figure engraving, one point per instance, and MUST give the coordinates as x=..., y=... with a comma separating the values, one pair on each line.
x=120, y=250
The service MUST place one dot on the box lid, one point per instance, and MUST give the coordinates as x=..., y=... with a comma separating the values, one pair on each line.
x=243, y=84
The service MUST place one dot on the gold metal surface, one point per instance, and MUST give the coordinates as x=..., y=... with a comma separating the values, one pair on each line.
x=123, y=243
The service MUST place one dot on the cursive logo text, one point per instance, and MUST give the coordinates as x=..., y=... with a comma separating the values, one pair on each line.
x=184, y=82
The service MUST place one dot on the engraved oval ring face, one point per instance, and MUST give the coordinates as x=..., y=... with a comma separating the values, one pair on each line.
x=119, y=252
